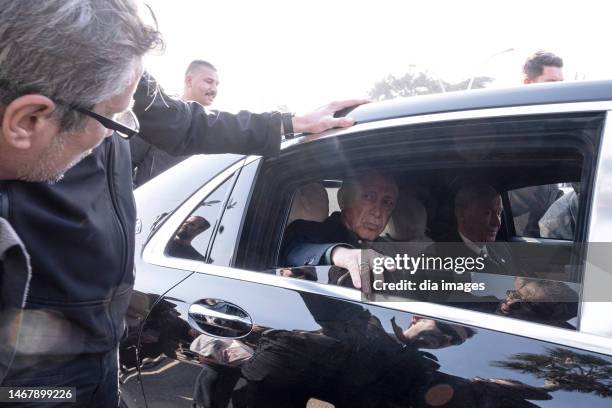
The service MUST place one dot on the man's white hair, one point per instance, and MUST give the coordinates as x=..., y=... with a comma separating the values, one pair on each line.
x=76, y=52
x=351, y=186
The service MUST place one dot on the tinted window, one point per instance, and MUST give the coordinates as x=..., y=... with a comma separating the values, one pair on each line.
x=225, y=241
x=457, y=190
x=192, y=238
x=159, y=197
x=545, y=211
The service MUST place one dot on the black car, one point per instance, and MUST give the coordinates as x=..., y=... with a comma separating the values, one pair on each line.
x=222, y=322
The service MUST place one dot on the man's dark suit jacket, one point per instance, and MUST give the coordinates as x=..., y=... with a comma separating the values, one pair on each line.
x=499, y=260
x=306, y=242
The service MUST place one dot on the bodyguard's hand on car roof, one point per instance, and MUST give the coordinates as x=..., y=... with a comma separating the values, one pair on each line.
x=323, y=118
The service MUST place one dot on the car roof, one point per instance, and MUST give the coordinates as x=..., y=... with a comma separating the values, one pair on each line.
x=533, y=94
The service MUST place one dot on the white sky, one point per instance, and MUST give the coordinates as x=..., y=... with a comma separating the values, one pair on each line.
x=304, y=54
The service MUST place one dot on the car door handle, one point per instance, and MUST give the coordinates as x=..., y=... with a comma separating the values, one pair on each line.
x=219, y=318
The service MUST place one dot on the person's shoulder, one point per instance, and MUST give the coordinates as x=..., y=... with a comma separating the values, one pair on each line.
x=305, y=224
x=300, y=227
x=500, y=247
x=560, y=206
x=450, y=236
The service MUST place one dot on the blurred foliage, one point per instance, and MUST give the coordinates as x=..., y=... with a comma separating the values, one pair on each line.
x=564, y=369
x=419, y=83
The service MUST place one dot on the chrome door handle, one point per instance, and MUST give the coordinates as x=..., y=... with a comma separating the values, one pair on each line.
x=219, y=318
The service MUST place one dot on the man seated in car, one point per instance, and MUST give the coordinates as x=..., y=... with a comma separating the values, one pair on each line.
x=366, y=203
x=478, y=210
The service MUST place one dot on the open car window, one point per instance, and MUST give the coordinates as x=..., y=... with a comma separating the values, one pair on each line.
x=539, y=159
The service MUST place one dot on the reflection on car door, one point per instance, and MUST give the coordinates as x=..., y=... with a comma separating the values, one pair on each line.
x=306, y=346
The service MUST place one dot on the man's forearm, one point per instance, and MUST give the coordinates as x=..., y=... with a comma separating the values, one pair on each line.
x=181, y=128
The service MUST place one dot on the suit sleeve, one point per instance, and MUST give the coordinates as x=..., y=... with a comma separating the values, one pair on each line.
x=306, y=243
x=184, y=128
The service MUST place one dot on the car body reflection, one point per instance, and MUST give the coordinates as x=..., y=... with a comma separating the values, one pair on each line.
x=352, y=359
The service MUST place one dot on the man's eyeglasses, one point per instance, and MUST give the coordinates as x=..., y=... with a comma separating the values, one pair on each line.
x=125, y=124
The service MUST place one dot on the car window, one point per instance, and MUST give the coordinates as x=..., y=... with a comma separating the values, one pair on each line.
x=224, y=245
x=192, y=237
x=332, y=196
x=159, y=199
x=433, y=166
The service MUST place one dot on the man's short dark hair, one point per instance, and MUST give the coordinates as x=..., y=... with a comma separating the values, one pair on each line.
x=468, y=195
x=535, y=64
x=197, y=64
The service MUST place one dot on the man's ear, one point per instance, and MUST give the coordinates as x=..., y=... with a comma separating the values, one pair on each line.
x=188, y=80
x=26, y=118
x=526, y=80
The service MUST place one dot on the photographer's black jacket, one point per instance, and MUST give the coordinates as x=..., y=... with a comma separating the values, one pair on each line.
x=80, y=232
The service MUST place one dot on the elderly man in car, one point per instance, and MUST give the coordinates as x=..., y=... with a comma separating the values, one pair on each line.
x=366, y=203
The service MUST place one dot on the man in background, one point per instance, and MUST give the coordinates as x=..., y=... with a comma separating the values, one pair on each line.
x=543, y=66
x=200, y=85
x=201, y=82
x=533, y=201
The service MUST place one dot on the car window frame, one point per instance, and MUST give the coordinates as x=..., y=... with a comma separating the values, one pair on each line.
x=243, y=186
x=283, y=204
x=579, y=339
x=154, y=250
x=593, y=315
x=588, y=167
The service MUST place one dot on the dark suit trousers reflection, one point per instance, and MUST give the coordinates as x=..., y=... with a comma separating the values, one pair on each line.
x=95, y=377
x=214, y=386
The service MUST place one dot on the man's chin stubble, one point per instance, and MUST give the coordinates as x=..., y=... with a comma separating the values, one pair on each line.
x=43, y=172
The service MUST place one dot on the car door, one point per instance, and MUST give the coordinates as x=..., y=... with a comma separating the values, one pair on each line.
x=271, y=336
x=163, y=359
x=156, y=201
x=305, y=345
